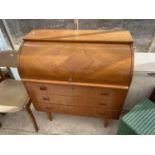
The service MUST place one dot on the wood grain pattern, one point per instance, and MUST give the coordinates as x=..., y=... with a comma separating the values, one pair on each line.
x=60, y=95
x=84, y=72
x=86, y=63
x=112, y=36
x=82, y=111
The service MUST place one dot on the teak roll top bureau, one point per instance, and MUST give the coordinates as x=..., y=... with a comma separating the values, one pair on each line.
x=81, y=72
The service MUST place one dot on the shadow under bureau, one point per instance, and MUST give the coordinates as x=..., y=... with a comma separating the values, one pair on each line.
x=81, y=72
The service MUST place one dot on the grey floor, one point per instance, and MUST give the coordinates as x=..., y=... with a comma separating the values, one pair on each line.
x=19, y=124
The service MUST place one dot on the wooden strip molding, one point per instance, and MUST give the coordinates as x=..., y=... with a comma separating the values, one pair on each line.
x=76, y=84
x=113, y=35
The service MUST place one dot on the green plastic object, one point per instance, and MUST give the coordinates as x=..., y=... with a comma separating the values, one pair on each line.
x=140, y=120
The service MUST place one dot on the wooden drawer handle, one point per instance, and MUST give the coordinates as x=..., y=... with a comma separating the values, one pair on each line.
x=43, y=88
x=46, y=98
x=102, y=103
x=104, y=93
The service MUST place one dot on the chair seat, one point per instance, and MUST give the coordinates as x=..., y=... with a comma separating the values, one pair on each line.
x=13, y=96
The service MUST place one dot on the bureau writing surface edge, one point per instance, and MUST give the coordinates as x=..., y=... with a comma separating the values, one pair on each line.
x=81, y=72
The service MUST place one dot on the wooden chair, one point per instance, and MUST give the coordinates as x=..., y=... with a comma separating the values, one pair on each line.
x=13, y=95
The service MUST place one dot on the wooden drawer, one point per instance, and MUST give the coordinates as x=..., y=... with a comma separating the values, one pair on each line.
x=73, y=109
x=68, y=100
x=46, y=100
x=69, y=90
x=84, y=111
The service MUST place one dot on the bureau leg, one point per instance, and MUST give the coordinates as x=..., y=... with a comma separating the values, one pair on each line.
x=105, y=122
x=29, y=112
x=49, y=114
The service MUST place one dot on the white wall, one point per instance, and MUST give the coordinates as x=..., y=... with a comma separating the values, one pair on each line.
x=142, y=84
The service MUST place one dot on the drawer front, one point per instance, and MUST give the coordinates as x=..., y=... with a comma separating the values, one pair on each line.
x=88, y=111
x=68, y=100
x=83, y=111
x=71, y=90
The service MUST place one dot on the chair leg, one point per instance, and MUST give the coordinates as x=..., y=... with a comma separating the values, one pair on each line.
x=49, y=115
x=29, y=112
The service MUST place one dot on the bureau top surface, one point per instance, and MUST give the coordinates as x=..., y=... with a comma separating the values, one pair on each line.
x=112, y=36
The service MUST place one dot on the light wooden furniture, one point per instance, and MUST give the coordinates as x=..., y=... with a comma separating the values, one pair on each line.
x=82, y=72
x=13, y=95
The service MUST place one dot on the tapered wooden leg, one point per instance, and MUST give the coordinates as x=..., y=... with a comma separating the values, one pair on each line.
x=105, y=121
x=29, y=112
x=49, y=114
